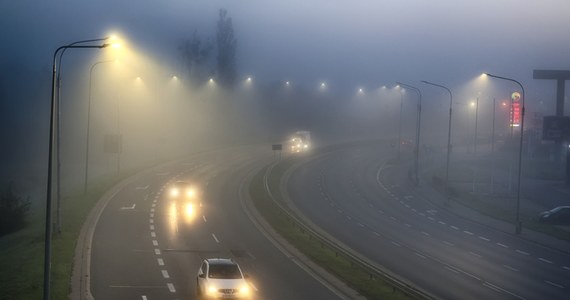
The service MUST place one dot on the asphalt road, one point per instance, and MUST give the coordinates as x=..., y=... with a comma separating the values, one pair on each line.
x=144, y=249
x=354, y=195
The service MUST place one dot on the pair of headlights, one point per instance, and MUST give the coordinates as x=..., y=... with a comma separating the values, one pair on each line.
x=175, y=192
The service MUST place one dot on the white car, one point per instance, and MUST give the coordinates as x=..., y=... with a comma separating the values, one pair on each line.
x=221, y=278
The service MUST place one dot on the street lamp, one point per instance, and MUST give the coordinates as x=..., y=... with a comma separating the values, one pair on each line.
x=416, y=160
x=448, y=135
x=53, y=120
x=89, y=123
x=518, y=223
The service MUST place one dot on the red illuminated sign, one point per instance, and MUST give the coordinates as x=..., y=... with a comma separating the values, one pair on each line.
x=515, y=109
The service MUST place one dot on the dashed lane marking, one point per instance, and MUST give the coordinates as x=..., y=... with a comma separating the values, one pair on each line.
x=544, y=260
x=153, y=234
x=171, y=287
x=160, y=261
x=360, y=224
x=165, y=274
x=454, y=227
x=475, y=254
x=522, y=252
x=419, y=255
x=204, y=217
x=554, y=284
x=511, y=268
x=215, y=238
x=448, y=243
x=151, y=227
x=566, y=268
x=396, y=244
x=503, y=245
x=157, y=251
x=154, y=242
x=484, y=238
x=468, y=232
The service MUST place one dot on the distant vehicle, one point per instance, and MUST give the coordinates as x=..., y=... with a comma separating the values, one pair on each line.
x=300, y=142
x=182, y=190
x=221, y=278
x=558, y=215
x=184, y=199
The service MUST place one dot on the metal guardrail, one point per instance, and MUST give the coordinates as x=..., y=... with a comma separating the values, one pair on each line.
x=372, y=269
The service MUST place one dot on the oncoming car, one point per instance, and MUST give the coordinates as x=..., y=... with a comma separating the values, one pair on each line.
x=184, y=199
x=559, y=215
x=182, y=190
x=221, y=278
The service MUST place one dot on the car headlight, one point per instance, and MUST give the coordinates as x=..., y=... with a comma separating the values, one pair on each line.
x=189, y=209
x=190, y=192
x=174, y=192
x=244, y=290
x=306, y=146
x=212, y=290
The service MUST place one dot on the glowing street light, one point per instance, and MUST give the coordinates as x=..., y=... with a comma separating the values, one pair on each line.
x=518, y=225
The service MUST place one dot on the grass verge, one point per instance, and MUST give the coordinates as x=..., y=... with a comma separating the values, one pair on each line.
x=22, y=253
x=344, y=268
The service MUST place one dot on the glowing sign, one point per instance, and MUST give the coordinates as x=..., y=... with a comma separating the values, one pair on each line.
x=515, y=109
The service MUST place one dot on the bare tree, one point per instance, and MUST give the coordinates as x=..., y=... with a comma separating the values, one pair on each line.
x=195, y=56
x=227, y=45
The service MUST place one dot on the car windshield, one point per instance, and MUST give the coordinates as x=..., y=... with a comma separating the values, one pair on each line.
x=224, y=271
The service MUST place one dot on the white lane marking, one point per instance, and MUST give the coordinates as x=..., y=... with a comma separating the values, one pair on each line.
x=154, y=242
x=441, y=222
x=153, y=205
x=376, y=233
x=419, y=255
x=414, y=210
x=544, y=260
x=496, y=288
x=129, y=207
x=511, y=268
x=157, y=251
x=474, y=254
x=503, y=245
x=151, y=221
x=452, y=270
x=348, y=217
x=141, y=187
x=152, y=210
x=448, y=243
x=396, y=244
x=360, y=224
x=554, y=284
x=425, y=233
x=484, y=238
x=392, y=218
x=431, y=219
x=566, y=268
x=171, y=287
x=406, y=205
x=454, y=227
x=204, y=217
x=151, y=215
x=339, y=211
x=215, y=238
x=408, y=225
x=151, y=227
x=162, y=174
x=422, y=214
x=468, y=232
x=165, y=274
x=491, y=287
x=153, y=234
x=522, y=252
x=160, y=261
x=380, y=211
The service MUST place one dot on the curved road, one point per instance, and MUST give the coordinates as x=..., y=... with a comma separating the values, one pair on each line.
x=354, y=195
x=142, y=249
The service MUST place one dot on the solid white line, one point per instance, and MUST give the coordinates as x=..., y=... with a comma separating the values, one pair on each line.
x=153, y=234
x=454, y=227
x=484, y=238
x=160, y=261
x=491, y=287
x=171, y=287
x=151, y=227
x=165, y=274
x=154, y=242
x=396, y=244
x=503, y=245
x=157, y=251
x=554, y=284
x=419, y=255
x=215, y=238
x=468, y=232
x=511, y=268
x=522, y=252
x=452, y=270
x=544, y=260
x=204, y=217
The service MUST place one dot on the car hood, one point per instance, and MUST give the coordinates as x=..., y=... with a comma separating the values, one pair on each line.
x=226, y=283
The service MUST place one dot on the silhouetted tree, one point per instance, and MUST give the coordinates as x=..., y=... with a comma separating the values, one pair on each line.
x=227, y=44
x=13, y=210
x=195, y=56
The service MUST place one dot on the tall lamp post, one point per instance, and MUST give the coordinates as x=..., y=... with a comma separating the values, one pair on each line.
x=448, y=135
x=401, y=92
x=58, y=129
x=518, y=223
x=476, y=119
x=89, y=124
x=416, y=159
x=53, y=119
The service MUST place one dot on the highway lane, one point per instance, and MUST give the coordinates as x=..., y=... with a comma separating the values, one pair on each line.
x=144, y=249
x=371, y=211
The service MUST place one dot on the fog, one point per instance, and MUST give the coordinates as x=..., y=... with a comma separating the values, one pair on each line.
x=147, y=95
